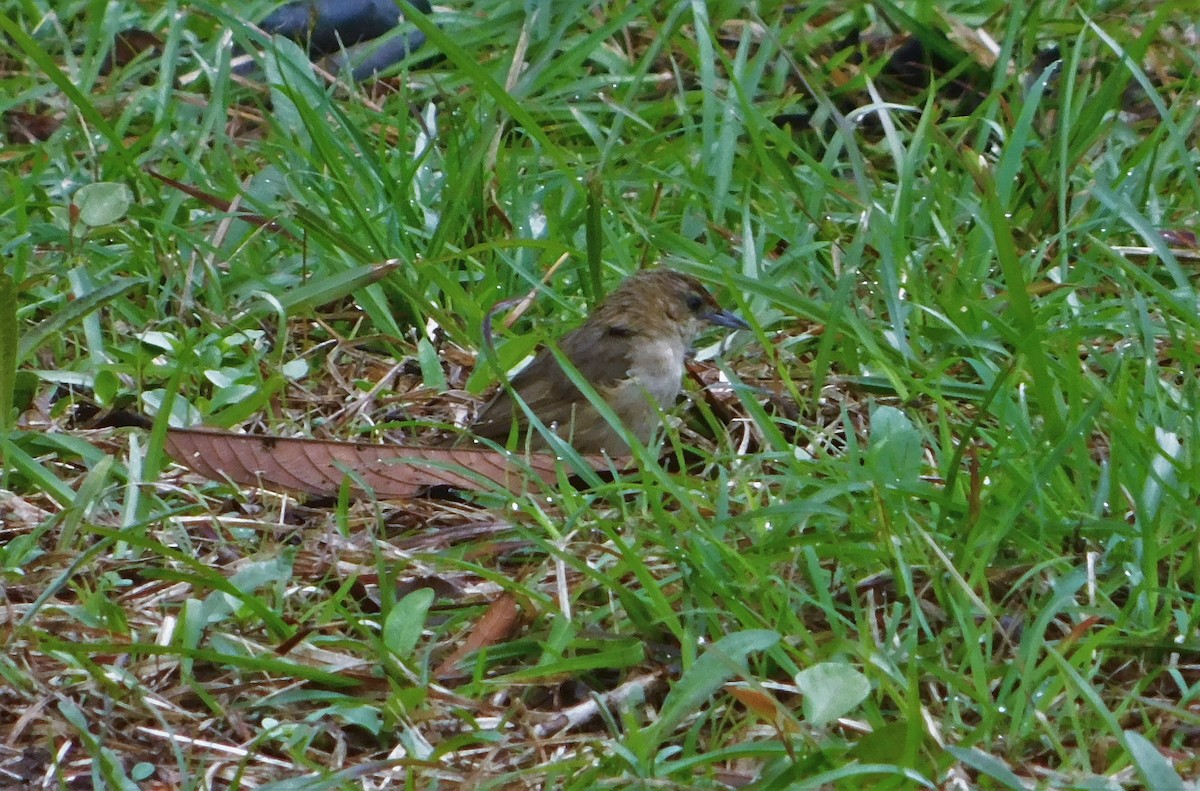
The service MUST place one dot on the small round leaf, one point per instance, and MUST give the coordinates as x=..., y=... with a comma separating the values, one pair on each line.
x=102, y=203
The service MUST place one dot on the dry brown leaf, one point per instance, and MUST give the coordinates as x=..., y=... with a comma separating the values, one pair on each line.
x=764, y=704
x=23, y=127
x=127, y=45
x=498, y=623
x=15, y=510
x=318, y=467
x=757, y=700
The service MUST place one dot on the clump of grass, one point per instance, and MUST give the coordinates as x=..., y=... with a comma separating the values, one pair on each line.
x=937, y=526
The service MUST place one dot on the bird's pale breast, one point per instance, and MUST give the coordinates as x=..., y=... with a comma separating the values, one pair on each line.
x=657, y=368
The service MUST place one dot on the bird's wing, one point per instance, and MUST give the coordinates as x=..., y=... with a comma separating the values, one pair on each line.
x=602, y=356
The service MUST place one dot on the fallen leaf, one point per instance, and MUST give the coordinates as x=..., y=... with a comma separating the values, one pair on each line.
x=30, y=127
x=758, y=701
x=498, y=623
x=127, y=45
x=1180, y=238
x=318, y=467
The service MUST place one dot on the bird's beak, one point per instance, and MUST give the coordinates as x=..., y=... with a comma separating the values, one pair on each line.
x=724, y=318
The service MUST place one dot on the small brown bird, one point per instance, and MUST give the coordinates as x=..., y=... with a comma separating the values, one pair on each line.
x=631, y=350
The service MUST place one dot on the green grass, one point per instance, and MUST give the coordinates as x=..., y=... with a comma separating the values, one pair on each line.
x=941, y=528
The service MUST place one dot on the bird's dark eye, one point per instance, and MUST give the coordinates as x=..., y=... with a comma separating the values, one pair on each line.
x=694, y=302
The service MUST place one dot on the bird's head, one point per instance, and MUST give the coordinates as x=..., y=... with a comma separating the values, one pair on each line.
x=663, y=301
